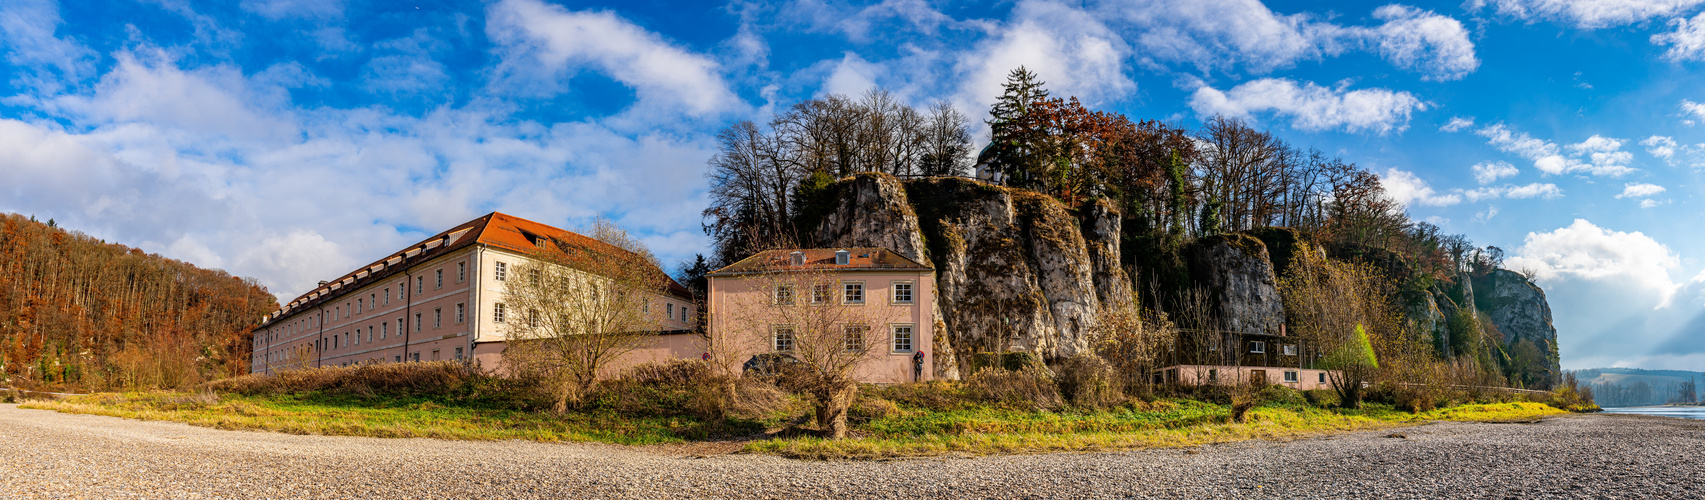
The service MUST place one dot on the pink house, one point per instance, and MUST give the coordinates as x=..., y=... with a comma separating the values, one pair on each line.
x=867, y=308
x=442, y=299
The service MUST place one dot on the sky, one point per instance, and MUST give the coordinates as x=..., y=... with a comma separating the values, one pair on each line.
x=293, y=140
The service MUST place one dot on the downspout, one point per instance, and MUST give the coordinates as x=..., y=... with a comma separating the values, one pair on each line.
x=319, y=345
x=267, y=356
x=473, y=278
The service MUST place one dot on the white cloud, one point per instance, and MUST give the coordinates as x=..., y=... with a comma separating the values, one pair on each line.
x=280, y=9
x=859, y=23
x=1226, y=34
x=1603, y=156
x=1424, y=42
x=1405, y=188
x=1586, y=14
x=1070, y=49
x=1312, y=107
x=1693, y=109
x=1585, y=251
x=1487, y=172
x=1486, y=215
x=1687, y=42
x=548, y=43
x=1640, y=190
x=852, y=76
x=1511, y=191
x=44, y=62
x=1660, y=146
x=1458, y=123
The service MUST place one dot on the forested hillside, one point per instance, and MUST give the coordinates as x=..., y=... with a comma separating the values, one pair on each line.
x=78, y=312
x=1155, y=198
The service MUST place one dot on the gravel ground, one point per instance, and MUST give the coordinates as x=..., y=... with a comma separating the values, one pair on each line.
x=51, y=455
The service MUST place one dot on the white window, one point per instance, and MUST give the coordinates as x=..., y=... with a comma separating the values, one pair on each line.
x=902, y=338
x=419, y=285
x=438, y=279
x=458, y=354
x=337, y=311
x=684, y=313
x=437, y=317
x=497, y=312
x=399, y=326
x=360, y=304
x=369, y=334
x=401, y=287
x=1290, y=376
x=853, y=292
x=1257, y=347
x=417, y=322
x=459, y=316
x=669, y=310
x=841, y=257
x=500, y=271
x=821, y=293
x=784, y=295
x=461, y=271
x=384, y=330
x=783, y=336
x=372, y=301
x=854, y=337
x=1288, y=349
x=903, y=292
x=387, y=296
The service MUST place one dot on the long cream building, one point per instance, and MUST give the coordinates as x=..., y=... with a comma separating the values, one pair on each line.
x=441, y=299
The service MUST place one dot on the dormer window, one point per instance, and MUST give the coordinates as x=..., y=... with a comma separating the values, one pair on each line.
x=841, y=257
x=797, y=258
x=539, y=242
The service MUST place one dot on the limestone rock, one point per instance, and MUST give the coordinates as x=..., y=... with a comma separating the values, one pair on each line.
x=1236, y=269
x=1519, y=309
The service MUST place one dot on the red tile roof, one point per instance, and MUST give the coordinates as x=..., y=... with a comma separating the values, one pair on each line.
x=496, y=229
x=858, y=259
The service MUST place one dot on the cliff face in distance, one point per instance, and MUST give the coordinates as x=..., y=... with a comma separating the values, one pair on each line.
x=1019, y=271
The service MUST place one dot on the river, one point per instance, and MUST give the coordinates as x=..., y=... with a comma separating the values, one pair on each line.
x=1688, y=412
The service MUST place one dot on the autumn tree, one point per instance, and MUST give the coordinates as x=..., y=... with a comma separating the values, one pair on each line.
x=571, y=309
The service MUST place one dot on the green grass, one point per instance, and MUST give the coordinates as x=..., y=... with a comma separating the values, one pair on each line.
x=917, y=427
x=389, y=417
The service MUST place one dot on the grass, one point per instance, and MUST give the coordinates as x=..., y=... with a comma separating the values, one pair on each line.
x=1167, y=424
x=392, y=417
x=909, y=431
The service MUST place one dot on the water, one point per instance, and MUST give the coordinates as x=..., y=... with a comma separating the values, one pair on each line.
x=1688, y=412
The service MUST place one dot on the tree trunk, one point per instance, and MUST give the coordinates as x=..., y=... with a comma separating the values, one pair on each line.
x=832, y=404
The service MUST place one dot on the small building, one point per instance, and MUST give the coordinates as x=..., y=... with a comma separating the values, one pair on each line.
x=869, y=307
x=1211, y=357
x=443, y=299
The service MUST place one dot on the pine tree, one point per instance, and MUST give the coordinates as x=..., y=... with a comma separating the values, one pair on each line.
x=1017, y=136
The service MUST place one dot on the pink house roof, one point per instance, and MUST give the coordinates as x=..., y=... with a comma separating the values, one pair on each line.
x=823, y=259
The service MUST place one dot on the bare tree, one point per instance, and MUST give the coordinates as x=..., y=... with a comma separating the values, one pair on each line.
x=816, y=327
x=573, y=308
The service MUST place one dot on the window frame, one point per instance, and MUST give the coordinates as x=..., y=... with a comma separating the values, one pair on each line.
x=461, y=312
x=437, y=318
x=497, y=312
x=500, y=271
x=438, y=278
x=894, y=338
x=1257, y=347
x=777, y=295
x=911, y=292
x=853, y=337
x=1292, y=377
x=776, y=337
x=846, y=292
x=1288, y=349
x=461, y=271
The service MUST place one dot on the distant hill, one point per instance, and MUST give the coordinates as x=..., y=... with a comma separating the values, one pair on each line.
x=82, y=313
x=1638, y=387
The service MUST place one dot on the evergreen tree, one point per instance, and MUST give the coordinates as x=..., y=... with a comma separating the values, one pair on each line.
x=1017, y=137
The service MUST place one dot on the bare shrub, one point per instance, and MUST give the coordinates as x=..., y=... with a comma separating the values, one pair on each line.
x=688, y=387
x=869, y=407
x=1031, y=387
x=393, y=379
x=1087, y=381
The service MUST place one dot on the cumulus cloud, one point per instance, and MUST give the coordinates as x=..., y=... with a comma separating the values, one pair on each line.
x=1225, y=34
x=1598, y=155
x=27, y=33
x=1586, y=251
x=1405, y=188
x=1687, y=42
x=1458, y=123
x=1693, y=110
x=1511, y=191
x=1312, y=107
x=1641, y=190
x=1660, y=146
x=1487, y=172
x=1072, y=50
x=547, y=44
x=1586, y=14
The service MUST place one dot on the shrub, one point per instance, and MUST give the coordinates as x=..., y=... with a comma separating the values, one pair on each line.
x=1278, y=395
x=438, y=378
x=935, y=395
x=1321, y=398
x=869, y=407
x=1031, y=387
x=687, y=388
x=1087, y=381
x=1012, y=361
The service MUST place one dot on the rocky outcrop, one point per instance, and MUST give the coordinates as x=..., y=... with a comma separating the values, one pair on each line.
x=1237, y=272
x=1015, y=270
x=1519, y=309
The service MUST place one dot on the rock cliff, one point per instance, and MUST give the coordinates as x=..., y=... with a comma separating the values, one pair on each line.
x=1519, y=309
x=1237, y=272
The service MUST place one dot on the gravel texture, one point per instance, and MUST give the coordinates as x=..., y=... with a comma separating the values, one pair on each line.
x=51, y=455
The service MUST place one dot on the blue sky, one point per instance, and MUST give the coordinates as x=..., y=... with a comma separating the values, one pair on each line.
x=291, y=140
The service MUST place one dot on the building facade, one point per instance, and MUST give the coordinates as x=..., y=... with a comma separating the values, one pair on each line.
x=441, y=299
x=869, y=301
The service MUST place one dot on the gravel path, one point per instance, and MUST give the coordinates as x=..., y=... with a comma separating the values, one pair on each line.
x=51, y=455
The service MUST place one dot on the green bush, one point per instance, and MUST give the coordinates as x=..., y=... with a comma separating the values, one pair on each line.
x=1087, y=381
x=1278, y=395
x=1321, y=398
